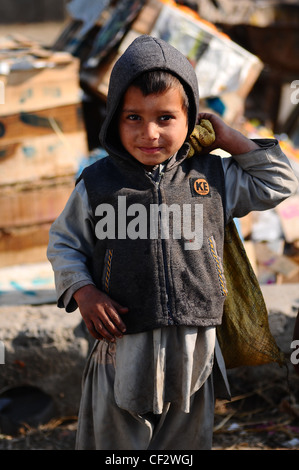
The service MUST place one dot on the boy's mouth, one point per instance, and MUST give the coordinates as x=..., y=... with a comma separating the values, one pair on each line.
x=150, y=150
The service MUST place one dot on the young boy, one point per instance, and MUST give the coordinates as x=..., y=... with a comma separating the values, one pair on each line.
x=138, y=249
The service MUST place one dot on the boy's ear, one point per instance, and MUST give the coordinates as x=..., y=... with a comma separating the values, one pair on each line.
x=203, y=135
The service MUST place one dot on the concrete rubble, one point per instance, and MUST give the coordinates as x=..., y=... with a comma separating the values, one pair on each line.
x=46, y=349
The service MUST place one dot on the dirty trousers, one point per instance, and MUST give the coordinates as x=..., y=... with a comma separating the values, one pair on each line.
x=103, y=425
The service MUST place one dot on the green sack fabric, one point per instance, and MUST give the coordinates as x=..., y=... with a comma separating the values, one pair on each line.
x=244, y=335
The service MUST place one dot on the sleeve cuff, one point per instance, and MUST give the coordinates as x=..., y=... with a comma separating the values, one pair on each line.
x=67, y=300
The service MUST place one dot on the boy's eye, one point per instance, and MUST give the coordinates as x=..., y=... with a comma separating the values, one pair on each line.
x=133, y=117
x=166, y=117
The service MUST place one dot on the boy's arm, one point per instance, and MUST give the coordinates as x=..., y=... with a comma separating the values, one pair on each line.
x=227, y=138
x=71, y=242
x=258, y=175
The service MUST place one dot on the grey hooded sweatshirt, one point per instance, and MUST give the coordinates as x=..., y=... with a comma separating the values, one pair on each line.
x=143, y=55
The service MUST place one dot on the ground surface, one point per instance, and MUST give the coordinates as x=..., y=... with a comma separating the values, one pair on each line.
x=261, y=416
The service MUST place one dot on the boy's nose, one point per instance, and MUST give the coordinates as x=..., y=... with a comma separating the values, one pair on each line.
x=150, y=130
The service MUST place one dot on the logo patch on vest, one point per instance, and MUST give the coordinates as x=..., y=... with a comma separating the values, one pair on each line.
x=199, y=187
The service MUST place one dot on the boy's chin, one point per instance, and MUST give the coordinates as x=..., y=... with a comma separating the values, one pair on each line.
x=154, y=161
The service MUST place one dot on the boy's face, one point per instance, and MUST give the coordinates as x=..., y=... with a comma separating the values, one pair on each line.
x=153, y=127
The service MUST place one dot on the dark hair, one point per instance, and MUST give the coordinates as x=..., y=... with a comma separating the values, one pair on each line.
x=158, y=81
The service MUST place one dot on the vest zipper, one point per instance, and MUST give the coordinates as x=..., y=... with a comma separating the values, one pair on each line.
x=166, y=276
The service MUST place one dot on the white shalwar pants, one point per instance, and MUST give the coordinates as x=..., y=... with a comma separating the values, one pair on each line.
x=103, y=425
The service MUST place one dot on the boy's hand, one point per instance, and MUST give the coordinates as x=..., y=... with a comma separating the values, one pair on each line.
x=100, y=313
x=227, y=138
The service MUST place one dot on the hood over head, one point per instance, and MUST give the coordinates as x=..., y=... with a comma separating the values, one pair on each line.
x=145, y=54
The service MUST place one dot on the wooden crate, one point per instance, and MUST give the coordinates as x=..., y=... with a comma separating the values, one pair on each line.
x=36, y=123
x=34, y=158
x=26, y=214
x=24, y=205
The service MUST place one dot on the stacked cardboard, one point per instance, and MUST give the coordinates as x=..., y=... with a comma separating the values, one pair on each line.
x=42, y=140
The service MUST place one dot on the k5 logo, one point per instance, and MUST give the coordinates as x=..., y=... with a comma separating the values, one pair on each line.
x=295, y=93
x=199, y=187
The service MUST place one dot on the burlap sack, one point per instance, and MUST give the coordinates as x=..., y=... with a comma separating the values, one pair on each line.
x=244, y=335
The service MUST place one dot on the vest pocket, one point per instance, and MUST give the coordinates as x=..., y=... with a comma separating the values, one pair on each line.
x=107, y=270
x=218, y=264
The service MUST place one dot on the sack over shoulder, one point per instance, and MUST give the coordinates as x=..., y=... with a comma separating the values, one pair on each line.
x=244, y=335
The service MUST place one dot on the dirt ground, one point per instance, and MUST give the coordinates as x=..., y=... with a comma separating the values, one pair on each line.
x=235, y=429
x=260, y=416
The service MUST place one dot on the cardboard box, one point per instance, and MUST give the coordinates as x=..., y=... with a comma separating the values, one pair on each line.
x=25, y=205
x=31, y=85
x=42, y=145
x=42, y=134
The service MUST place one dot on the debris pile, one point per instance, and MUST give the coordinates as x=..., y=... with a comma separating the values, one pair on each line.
x=272, y=237
x=42, y=139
